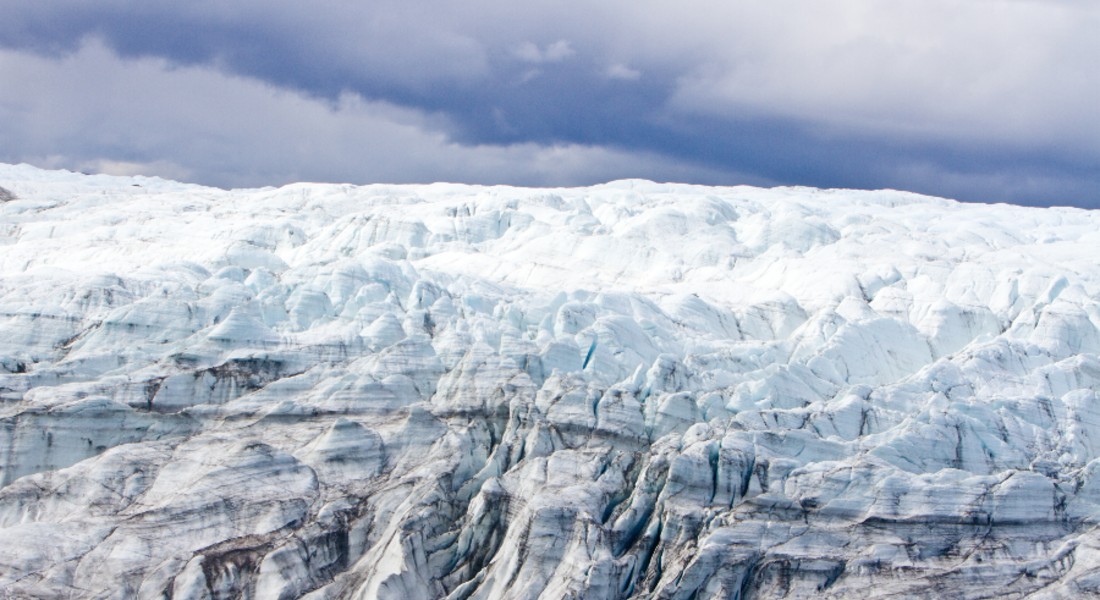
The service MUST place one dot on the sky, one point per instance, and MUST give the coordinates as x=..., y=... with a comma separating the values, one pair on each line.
x=977, y=100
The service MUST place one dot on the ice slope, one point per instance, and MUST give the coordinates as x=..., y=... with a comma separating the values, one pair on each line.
x=632, y=390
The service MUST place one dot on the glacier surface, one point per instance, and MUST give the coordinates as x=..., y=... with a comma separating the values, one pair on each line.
x=632, y=390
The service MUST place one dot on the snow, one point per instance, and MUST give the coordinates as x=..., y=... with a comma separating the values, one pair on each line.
x=627, y=390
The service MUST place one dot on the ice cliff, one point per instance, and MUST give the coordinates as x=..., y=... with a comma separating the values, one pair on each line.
x=632, y=390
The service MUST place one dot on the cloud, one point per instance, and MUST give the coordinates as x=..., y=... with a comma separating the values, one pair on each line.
x=619, y=71
x=129, y=116
x=160, y=168
x=999, y=71
x=833, y=92
x=552, y=53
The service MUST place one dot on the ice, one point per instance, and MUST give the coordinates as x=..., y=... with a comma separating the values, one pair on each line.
x=632, y=390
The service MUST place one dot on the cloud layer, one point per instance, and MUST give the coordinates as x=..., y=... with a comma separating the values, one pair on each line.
x=990, y=100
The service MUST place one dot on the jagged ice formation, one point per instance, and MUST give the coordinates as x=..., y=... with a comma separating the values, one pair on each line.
x=632, y=390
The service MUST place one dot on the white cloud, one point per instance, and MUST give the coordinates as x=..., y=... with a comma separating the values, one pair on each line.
x=620, y=71
x=987, y=70
x=552, y=53
x=162, y=168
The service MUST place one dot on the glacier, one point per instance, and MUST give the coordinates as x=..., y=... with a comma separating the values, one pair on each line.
x=630, y=390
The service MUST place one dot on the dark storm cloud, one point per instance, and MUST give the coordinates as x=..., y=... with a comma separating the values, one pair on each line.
x=91, y=111
x=990, y=100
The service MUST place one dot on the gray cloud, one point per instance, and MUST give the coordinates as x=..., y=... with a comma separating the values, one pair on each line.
x=192, y=123
x=983, y=100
